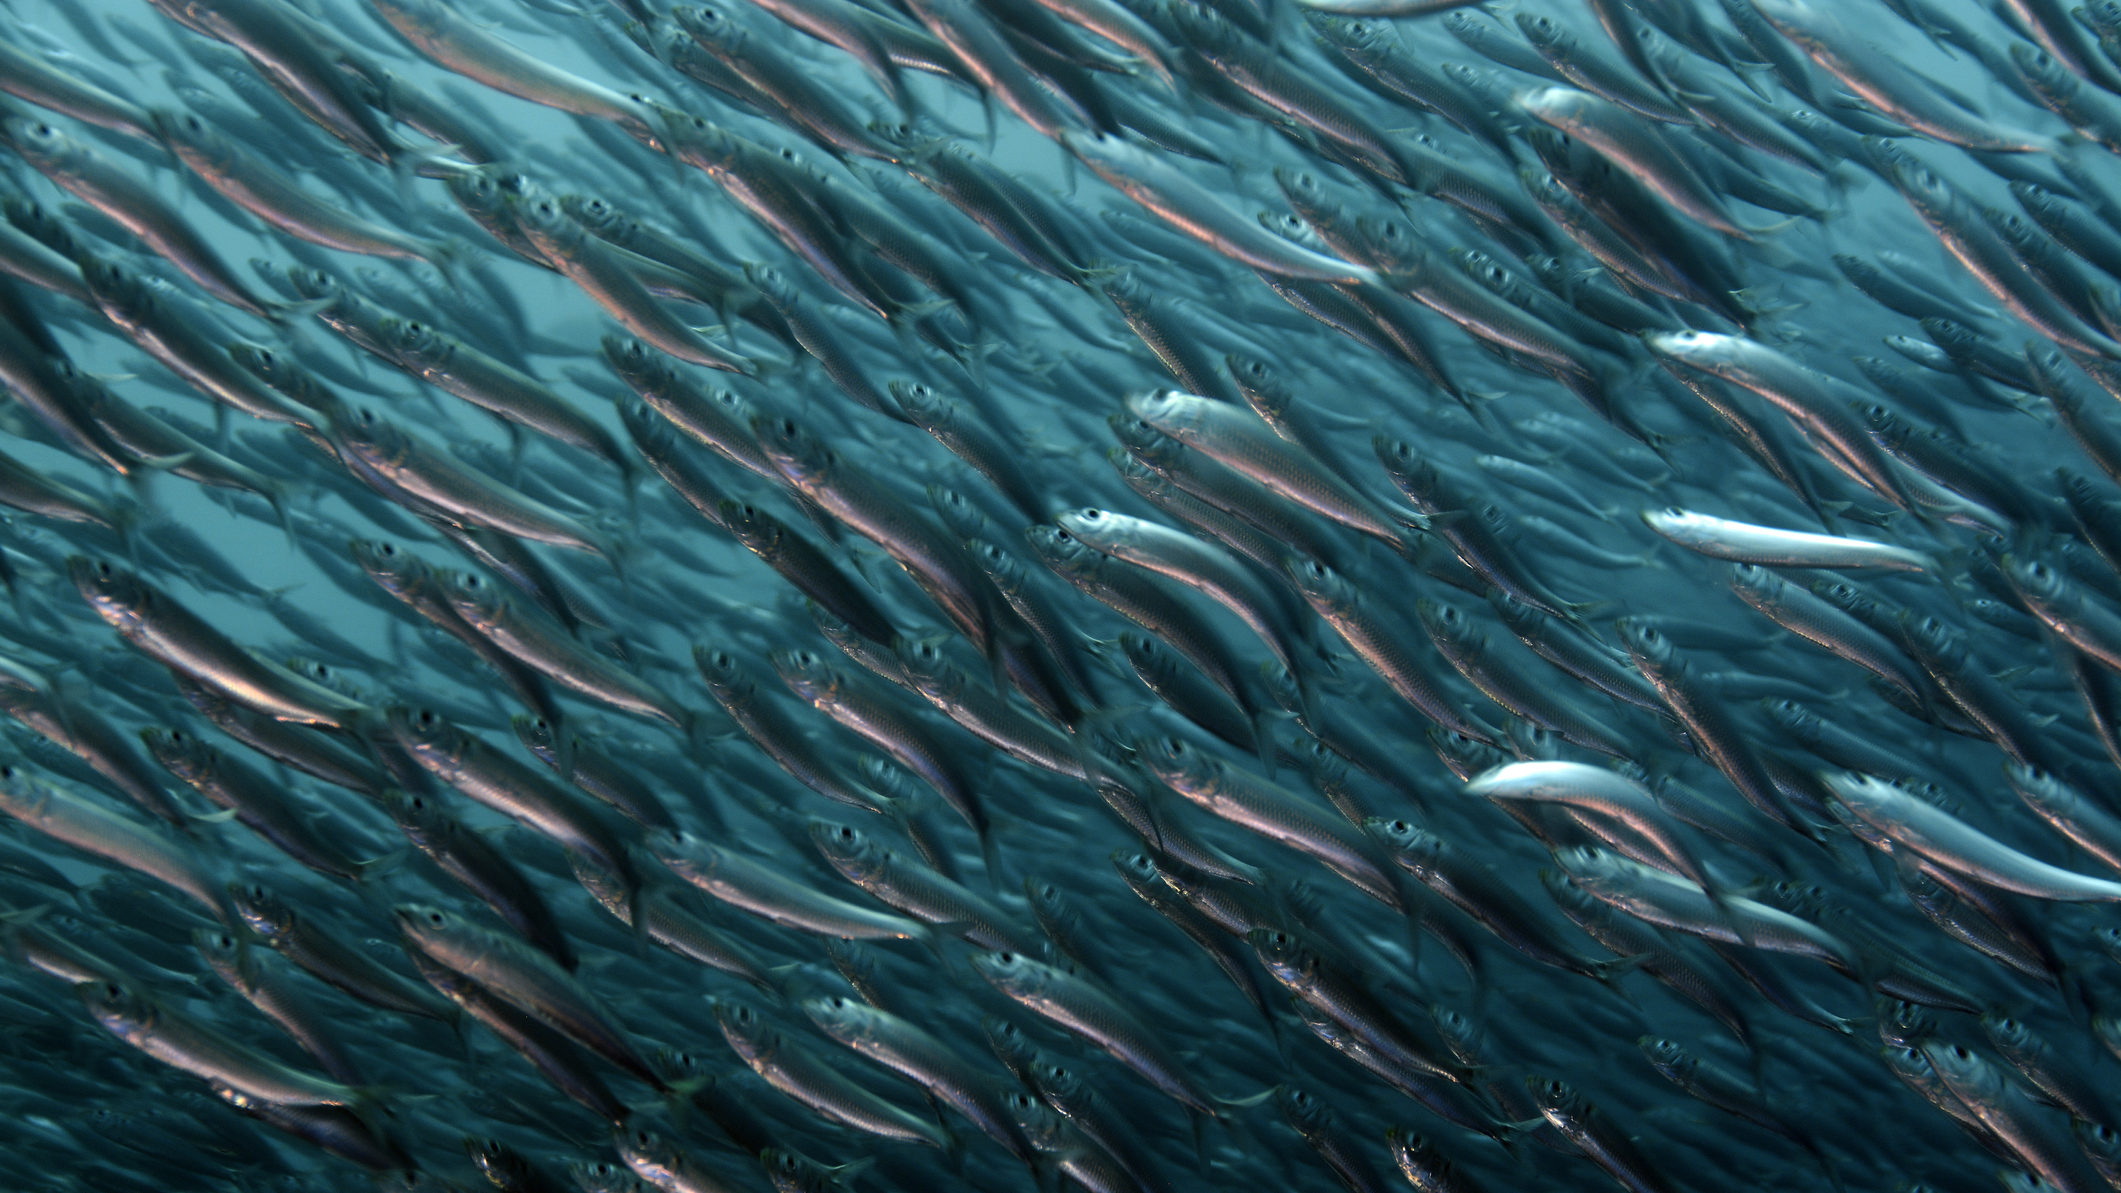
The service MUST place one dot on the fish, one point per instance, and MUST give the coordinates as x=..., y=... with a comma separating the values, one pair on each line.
x=1932, y=833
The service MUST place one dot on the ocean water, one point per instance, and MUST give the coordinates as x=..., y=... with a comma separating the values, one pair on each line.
x=1805, y=1090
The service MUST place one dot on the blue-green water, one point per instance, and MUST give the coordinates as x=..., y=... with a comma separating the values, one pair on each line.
x=1438, y=1006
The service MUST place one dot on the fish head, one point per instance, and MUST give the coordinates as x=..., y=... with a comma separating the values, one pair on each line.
x=119, y=596
x=791, y=1172
x=959, y=512
x=2040, y=584
x=476, y=599
x=1667, y=1055
x=637, y=364
x=1168, y=410
x=47, y=146
x=1136, y=867
x=807, y=674
x=1011, y=972
x=602, y=1176
x=2041, y=71
x=1048, y=901
x=1040, y=1123
x=1940, y=641
x=1591, y=863
x=1056, y=1081
x=851, y=851
x=1564, y=108
x=120, y=1009
x=1285, y=955
x=224, y=951
x=1391, y=245
x=1203, y=29
x=410, y=337
x=1290, y=226
x=1646, y=644
x=1061, y=551
x=1145, y=442
x=419, y=817
x=1320, y=585
x=1462, y=1034
x=425, y=733
x=1260, y=382
x=1558, y=1102
x=261, y=911
x=1924, y=189
x=909, y=143
x=596, y=214
x=189, y=135
x=1905, y=1023
x=1416, y=849
x=652, y=1157
x=499, y=1163
x=180, y=752
x=1175, y=762
x=920, y=402
x=1753, y=583
x=1567, y=893
x=2010, y=1036
x=389, y=565
x=273, y=367
x=703, y=141
x=1310, y=1117
x=929, y=668
x=1306, y=194
x=846, y=1020
x=1415, y=474
x=536, y=733
x=363, y=432
x=544, y=219
x=1004, y=569
x=1968, y=1074
x=1700, y=349
x=1485, y=269
x=425, y=925
x=747, y=1032
x=1008, y=1041
x=1447, y=623
x=800, y=457
x=483, y=190
x=770, y=282
x=723, y=672
x=2101, y=1142
x=707, y=24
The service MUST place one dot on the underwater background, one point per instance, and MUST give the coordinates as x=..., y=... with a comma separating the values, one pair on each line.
x=1134, y=594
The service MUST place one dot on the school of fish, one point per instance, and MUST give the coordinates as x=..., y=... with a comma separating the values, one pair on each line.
x=1135, y=595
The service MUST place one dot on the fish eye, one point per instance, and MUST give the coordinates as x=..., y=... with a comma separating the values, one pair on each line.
x=1005, y=958
x=435, y=918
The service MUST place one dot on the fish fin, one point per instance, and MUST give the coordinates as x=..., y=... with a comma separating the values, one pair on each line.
x=1610, y=972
